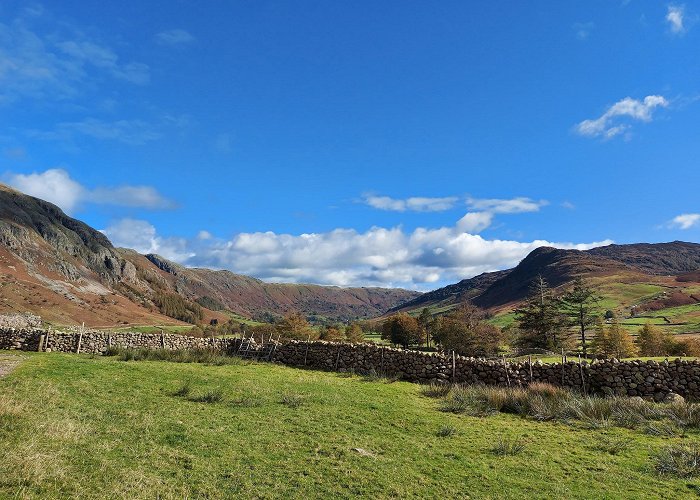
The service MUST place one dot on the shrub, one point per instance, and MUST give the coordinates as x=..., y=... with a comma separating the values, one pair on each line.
x=505, y=446
x=678, y=460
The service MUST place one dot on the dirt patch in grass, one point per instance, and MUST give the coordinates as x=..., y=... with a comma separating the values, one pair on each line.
x=9, y=362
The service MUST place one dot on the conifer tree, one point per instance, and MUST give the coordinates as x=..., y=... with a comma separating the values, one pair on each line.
x=539, y=319
x=580, y=306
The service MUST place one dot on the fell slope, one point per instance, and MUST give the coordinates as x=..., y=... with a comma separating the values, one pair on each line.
x=67, y=272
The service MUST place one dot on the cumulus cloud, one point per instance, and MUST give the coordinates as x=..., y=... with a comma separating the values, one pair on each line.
x=141, y=236
x=685, y=221
x=675, y=17
x=413, y=204
x=607, y=125
x=174, y=37
x=56, y=186
x=345, y=257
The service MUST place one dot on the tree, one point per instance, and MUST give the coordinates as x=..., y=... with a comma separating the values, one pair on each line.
x=294, y=326
x=580, y=306
x=402, y=329
x=653, y=341
x=539, y=319
x=332, y=334
x=613, y=341
x=465, y=331
x=424, y=322
x=354, y=333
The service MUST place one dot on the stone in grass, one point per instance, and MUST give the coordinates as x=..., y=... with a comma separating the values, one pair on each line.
x=364, y=453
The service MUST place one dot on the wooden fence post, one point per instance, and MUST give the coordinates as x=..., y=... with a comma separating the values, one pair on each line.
x=40, y=347
x=529, y=362
x=454, y=367
x=80, y=338
x=505, y=368
x=306, y=353
x=337, y=359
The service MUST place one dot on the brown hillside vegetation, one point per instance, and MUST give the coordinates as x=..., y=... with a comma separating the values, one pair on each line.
x=67, y=272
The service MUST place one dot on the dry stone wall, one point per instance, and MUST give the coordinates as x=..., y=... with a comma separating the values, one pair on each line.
x=648, y=379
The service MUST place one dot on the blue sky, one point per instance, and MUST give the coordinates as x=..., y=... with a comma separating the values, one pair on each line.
x=356, y=143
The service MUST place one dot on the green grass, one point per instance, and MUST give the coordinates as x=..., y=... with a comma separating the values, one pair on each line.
x=104, y=428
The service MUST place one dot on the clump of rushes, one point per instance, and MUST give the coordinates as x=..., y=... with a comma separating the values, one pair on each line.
x=679, y=461
x=505, y=446
x=184, y=390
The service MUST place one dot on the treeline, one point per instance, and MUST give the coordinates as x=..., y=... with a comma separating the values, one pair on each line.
x=175, y=306
x=295, y=326
x=572, y=322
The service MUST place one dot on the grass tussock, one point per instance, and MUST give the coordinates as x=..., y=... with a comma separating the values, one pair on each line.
x=209, y=396
x=435, y=390
x=292, y=400
x=446, y=431
x=202, y=355
x=678, y=460
x=508, y=447
x=545, y=402
x=612, y=445
x=378, y=376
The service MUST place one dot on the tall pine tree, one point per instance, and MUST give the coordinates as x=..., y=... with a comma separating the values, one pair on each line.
x=580, y=306
x=539, y=319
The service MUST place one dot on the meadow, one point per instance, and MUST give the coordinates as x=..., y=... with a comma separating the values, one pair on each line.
x=96, y=427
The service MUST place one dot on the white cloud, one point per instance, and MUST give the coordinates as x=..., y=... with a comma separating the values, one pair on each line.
x=475, y=222
x=413, y=204
x=174, y=37
x=204, y=235
x=583, y=30
x=56, y=186
x=379, y=256
x=40, y=66
x=685, y=221
x=675, y=17
x=627, y=107
x=506, y=206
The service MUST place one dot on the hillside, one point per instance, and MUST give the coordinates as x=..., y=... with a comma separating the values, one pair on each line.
x=656, y=282
x=67, y=272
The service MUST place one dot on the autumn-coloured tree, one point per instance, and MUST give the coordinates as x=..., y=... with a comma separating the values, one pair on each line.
x=613, y=341
x=466, y=331
x=354, y=333
x=402, y=329
x=653, y=341
x=294, y=326
x=332, y=334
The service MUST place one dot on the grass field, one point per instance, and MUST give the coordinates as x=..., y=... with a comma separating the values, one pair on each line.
x=99, y=427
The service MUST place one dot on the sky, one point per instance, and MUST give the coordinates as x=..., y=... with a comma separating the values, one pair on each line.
x=368, y=143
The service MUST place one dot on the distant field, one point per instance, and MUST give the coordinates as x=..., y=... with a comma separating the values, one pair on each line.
x=97, y=427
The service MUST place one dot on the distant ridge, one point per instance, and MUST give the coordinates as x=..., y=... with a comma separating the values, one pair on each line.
x=558, y=267
x=64, y=270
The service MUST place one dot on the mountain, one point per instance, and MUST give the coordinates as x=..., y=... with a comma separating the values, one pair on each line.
x=67, y=272
x=660, y=274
